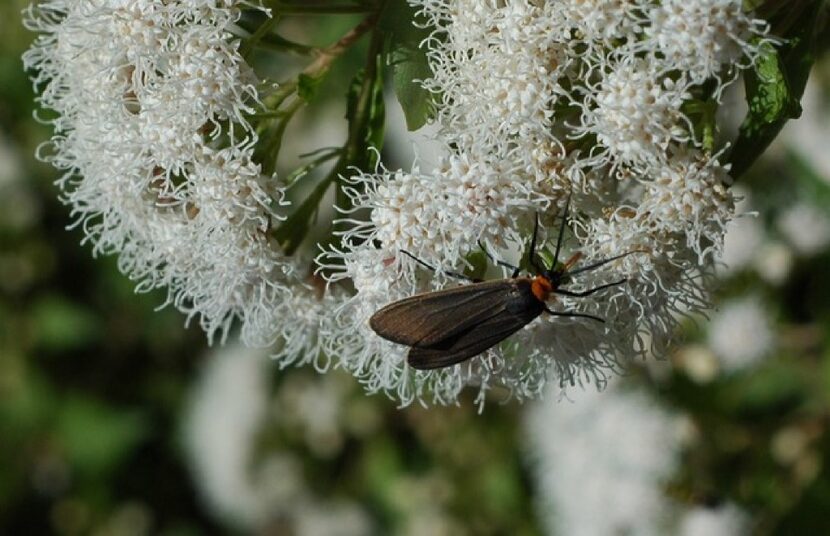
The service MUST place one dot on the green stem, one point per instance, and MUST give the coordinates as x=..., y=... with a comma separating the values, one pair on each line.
x=354, y=148
x=317, y=68
x=262, y=31
x=281, y=44
x=323, y=61
x=274, y=143
x=317, y=9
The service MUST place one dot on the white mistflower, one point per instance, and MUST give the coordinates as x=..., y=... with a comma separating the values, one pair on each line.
x=495, y=69
x=741, y=333
x=705, y=37
x=304, y=314
x=442, y=216
x=604, y=20
x=689, y=196
x=601, y=463
x=536, y=103
x=539, y=102
x=151, y=132
x=635, y=113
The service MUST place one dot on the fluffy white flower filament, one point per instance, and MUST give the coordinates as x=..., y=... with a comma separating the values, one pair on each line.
x=152, y=100
x=539, y=100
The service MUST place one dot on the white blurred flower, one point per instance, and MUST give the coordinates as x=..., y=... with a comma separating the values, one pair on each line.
x=724, y=520
x=808, y=136
x=601, y=461
x=773, y=262
x=806, y=227
x=315, y=406
x=224, y=416
x=740, y=333
x=699, y=363
x=601, y=464
x=248, y=487
x=333, y=519
x=740, y=246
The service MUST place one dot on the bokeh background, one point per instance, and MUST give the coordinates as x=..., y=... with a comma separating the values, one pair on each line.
x=117, y=419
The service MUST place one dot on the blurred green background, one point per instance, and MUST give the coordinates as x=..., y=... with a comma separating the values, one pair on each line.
x=116, y=419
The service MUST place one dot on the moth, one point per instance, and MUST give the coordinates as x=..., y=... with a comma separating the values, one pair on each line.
x=449, y=326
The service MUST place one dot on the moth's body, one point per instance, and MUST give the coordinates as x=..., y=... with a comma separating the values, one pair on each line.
x=461, y=322
x=448, y=326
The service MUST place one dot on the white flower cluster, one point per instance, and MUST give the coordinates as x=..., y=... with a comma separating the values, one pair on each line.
x=603, y=462
x=244, y=485
x=151, y=100
x=538, y=101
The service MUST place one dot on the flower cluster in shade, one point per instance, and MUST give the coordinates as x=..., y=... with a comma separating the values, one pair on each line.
x=151, y=103
x=536, y=102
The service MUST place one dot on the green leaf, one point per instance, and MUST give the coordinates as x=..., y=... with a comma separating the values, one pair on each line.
x=408, y=61
x=97, y=437
x=479, y=261
x=811, y=184
x=60, y=324
x=774, y=89
x=773, y=386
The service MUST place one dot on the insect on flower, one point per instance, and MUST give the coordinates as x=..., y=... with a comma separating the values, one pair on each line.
x=448, y=326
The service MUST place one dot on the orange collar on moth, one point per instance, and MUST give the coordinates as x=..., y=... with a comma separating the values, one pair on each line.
x=541, y=288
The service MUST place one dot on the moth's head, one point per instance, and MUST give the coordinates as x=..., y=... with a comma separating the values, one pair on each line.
x=559, y=272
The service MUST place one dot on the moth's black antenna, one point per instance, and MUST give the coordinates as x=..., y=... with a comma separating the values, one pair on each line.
x=532, y=253
x=604, y=261
x=561, y=233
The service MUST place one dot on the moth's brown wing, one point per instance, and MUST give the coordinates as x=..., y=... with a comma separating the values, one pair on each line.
x=471, y=342
x=426, y=319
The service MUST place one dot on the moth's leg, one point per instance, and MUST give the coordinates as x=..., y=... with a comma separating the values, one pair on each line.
x=589, y=291
x=572, y=314
x=449, y=273
x=498, y=262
